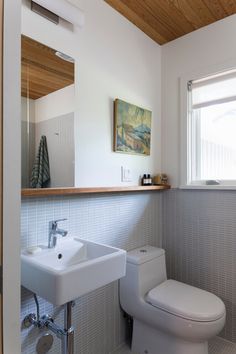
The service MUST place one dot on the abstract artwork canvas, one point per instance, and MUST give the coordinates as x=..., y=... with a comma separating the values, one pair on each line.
x=132, y=128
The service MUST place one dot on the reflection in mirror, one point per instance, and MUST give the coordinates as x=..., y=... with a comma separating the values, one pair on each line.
x=47, y=116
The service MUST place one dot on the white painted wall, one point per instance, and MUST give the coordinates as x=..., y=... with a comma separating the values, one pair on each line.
x=27, y=110
x=55, y=104
x=209, y=49
x=11, y=179
x=114, y=59
x=53, y=116
x=59, y=132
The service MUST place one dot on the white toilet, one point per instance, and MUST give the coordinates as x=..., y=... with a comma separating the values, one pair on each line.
x=169, y=317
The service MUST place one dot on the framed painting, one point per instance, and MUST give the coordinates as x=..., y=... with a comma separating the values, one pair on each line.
x=132, y=128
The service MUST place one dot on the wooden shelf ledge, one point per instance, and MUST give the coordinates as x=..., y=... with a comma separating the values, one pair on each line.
x=44, y=192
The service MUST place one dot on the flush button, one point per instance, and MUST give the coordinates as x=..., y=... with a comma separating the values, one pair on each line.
x=143, y=251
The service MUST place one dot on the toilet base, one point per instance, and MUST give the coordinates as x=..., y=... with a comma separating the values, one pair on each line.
x=148, y=340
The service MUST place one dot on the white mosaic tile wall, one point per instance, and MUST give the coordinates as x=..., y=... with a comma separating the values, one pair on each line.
x=199, y=235
x=125, y=221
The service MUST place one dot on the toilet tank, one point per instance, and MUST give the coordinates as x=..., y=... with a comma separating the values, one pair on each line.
x=145, y=269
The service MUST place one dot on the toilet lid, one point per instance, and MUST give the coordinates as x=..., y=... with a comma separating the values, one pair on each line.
x=186, y=301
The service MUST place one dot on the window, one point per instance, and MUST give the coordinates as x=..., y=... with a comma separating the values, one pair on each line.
x=212, y=130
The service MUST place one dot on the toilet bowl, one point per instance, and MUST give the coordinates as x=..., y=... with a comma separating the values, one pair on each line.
x=169, y=317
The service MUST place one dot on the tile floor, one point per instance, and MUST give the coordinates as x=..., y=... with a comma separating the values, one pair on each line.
x=216, y=346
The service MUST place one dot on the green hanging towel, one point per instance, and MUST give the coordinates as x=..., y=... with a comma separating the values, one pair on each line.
x=41, y=170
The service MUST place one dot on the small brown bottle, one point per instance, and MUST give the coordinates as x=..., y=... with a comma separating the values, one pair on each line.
x=149, y=179
x=144, y=180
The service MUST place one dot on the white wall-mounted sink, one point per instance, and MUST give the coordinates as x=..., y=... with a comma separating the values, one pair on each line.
x=71, y=269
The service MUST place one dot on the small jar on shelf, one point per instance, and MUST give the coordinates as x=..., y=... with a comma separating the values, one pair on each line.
x=146, y=180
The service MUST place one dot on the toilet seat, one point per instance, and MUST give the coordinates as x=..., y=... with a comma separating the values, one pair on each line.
x=186, y=301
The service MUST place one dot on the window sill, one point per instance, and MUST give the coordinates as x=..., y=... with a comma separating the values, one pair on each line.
x=209, y=187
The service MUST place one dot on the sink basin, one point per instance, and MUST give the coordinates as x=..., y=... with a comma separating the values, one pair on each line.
x=71, y=269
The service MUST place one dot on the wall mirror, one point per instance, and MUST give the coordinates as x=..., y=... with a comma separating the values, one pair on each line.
x=47, y=116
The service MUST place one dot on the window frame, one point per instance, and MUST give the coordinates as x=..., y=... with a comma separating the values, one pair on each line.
x=186, y=129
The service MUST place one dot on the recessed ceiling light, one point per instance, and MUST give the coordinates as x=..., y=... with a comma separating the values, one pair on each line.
x=64, y=57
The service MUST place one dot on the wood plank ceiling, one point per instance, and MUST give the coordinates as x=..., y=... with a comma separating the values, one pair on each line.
x=42, y=72
x=166, y=20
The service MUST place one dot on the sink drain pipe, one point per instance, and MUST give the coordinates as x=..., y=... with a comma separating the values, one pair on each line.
x=68, y=342
x=66, y=334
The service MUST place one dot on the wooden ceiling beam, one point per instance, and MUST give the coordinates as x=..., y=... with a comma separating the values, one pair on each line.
x=133, y=17
x=203, y=12
x=53, y=70
x=42, y=72
x=47, y=78
x=165, y=20
x=216, y=8
x=149, y=16
x=229, y=6
x=184, y=6
x=170, y=16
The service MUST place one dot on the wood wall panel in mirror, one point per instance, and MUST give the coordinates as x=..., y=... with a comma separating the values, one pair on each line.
x=47, y=116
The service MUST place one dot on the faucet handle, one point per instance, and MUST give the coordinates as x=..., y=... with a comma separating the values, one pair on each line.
x=59, y=220
x=53, y=223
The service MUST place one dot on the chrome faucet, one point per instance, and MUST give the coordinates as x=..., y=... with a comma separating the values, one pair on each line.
x=54, y=232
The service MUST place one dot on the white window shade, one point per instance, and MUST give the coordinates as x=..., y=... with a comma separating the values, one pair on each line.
x=222, y=89
x=212, y=130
